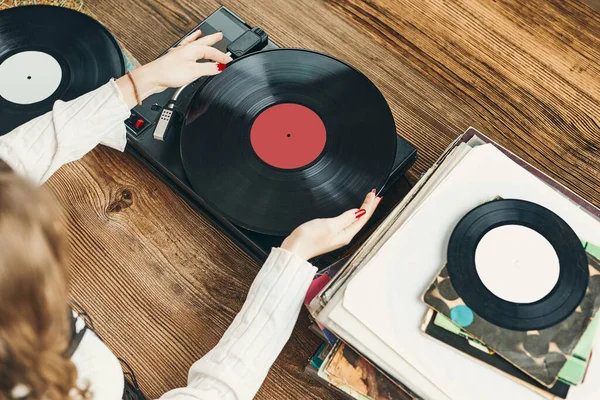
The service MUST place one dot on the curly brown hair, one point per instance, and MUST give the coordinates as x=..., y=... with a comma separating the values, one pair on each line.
x=34, y=328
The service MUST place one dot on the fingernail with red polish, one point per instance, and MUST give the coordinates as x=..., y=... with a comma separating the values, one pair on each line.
x=374, y=191
x=198, y=30
x=360, y=213
x=221, y=67
x=380, y=198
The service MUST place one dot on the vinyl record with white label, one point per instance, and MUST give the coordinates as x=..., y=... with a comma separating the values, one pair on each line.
x=50, y=53
x=517, y=264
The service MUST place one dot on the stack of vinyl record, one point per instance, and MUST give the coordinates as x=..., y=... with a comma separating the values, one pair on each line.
x=496, y=262
x=340, y=367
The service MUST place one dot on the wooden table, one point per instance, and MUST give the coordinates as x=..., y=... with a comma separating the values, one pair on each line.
x=163, y=285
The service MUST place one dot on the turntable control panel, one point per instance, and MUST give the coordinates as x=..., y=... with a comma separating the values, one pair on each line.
x=136, y=123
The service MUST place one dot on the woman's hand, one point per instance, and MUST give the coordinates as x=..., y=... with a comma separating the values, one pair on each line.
x=179, y=67
x=176, y=68
x=321, y=236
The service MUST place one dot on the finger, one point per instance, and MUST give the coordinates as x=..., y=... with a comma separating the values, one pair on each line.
x=209, y=40
x=351, y=216
x=210, y=53
x=369, y=206
x=344, y=220
x=206, y=69
x=191, y=37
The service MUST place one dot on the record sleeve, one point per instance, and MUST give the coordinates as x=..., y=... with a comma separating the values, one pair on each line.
x=494, y=360
x=353, y=374
x=539, y=353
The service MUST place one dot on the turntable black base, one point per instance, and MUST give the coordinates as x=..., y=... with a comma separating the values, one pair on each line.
x=164, y=157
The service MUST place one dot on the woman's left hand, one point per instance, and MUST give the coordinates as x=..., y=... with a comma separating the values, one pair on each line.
x=176, y=68
x=323, y=235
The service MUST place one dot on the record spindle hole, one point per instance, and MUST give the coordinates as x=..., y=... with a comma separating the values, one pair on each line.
x=517, y=264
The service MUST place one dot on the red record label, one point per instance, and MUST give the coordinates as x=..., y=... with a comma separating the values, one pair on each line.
x=288, y=136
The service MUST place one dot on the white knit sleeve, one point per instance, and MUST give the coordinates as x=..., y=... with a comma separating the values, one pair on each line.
x=238, y=365
x=41, y=146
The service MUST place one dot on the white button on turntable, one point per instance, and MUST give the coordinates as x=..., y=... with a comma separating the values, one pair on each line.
x=29, y=77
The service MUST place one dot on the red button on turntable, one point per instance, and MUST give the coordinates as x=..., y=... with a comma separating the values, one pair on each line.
x=139, y=123
x=288, y=136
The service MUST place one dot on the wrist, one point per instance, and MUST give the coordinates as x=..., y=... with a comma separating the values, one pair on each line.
x=145, y=85
x=291, y=245
x=145, y=81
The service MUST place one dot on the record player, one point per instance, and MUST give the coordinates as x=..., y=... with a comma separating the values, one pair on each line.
x=164, y=156
x=279, y=137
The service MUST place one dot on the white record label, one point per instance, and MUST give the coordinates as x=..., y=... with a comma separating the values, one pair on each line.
x=517, y=264
x=29, y=77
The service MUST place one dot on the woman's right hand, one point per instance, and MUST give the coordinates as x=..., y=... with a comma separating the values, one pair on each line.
x=179, y=66
x=176, y=68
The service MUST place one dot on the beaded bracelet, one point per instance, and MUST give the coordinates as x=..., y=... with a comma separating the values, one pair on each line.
x=135, y=89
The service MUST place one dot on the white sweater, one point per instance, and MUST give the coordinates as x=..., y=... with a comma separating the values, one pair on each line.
x=237, y=366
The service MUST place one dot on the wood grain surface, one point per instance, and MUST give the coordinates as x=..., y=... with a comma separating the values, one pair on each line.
x=163, y=284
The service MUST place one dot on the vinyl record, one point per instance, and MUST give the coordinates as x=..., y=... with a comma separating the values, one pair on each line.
x=50, y=53
x=285, y=136
x=562, y=299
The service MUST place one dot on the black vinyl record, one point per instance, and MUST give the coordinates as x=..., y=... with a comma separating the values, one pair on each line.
x=50, y=53
x=550, y=310
x=285, y=136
